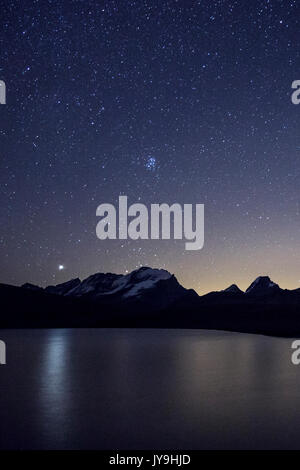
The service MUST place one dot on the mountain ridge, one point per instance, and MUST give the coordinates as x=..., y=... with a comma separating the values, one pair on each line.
x=154, y=298
x=108, y=282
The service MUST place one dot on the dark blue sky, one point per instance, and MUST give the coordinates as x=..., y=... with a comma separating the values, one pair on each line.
x=163, y=101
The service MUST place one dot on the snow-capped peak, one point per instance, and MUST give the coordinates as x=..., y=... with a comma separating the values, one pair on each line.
x=144, y=278
x=261, y=283
x=108, y=284
x=150, y=273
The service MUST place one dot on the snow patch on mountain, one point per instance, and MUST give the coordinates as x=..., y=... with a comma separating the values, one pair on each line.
x=262, y=283
x=130, y=284
x=139, y=280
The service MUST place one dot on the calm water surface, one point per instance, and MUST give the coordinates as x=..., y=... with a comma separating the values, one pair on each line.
x=162, y=389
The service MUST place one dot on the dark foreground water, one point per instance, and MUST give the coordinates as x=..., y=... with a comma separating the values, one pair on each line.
x=147, y=389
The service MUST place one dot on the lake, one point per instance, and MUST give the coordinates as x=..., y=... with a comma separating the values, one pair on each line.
x=147, y=389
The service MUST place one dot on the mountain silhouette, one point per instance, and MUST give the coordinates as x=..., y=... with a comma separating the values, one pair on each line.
x=149, y=297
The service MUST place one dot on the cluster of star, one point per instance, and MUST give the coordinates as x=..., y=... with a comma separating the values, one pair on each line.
x=164, y=101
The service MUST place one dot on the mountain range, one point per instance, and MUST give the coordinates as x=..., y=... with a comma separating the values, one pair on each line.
x=150, y=297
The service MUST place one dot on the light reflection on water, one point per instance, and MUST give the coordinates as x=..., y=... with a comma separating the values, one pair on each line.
x=160, y=389
x=54, y=388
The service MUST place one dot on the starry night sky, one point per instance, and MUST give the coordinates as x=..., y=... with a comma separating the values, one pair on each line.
x=162, y=101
